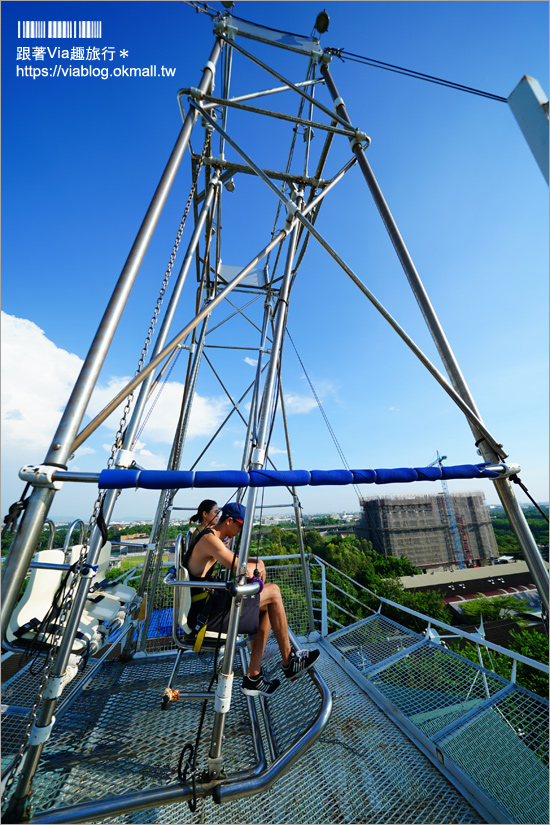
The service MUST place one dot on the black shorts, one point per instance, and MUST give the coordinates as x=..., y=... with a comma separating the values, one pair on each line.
x=220, y=609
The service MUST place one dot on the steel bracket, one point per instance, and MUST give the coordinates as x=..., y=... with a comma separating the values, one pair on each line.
x=40, y=475
x=40, y=735
x=125, y=458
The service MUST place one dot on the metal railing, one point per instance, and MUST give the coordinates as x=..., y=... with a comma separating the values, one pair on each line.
x=464, y=716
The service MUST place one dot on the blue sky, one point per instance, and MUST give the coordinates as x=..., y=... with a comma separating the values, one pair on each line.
x=82, y=157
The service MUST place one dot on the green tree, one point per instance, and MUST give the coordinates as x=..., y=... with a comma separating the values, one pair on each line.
x=313, y=540
x=492, y=608
x=529, y=643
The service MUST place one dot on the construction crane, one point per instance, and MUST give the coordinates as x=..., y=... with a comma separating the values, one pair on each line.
x=465, y=542
x=450, y=513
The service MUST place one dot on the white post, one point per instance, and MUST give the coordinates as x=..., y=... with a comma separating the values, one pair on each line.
x=529, y=106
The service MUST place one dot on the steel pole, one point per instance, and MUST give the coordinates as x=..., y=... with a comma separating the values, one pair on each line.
x=61, y=447
x=174, y=463
x=170, y=312
x=268, y=307
x=258, y=460
x=296, y=506
x=503, y=487
x=19, y=556
x=129, y=435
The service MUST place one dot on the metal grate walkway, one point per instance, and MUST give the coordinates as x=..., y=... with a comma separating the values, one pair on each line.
x=115, y=739
x=489, y=733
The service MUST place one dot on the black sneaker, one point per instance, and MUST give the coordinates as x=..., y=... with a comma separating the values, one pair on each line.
x=300, y=661
x=262, y=685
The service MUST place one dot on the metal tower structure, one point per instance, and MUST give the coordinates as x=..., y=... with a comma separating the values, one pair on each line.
x=265, y=282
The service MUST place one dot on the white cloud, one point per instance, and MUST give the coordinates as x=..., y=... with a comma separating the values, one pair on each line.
x=206, y=413
x=276, y=451
x=150, y=460
x=253, y=362
x=84, y=451
x=37, y=379
x=298, y=404
x=216, y=466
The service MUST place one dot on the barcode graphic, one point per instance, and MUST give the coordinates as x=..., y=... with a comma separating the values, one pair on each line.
x=56, y=29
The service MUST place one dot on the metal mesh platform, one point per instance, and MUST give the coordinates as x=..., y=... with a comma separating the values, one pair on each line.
x=18, y=696
x=494, y=732
x=115, y=740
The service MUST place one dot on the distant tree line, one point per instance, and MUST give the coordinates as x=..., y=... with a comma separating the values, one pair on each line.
x=507, y=542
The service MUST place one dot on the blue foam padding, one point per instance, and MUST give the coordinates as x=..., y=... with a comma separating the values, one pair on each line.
x=325, y=477
x=364, y=476
x=278, y=478
x=428, y=473
x=165, y=479
x=117, y=479
x=396, y=476
x=221, y=478
x=461, y=471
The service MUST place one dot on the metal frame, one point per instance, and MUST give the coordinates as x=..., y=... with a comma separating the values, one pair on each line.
x=67, y=437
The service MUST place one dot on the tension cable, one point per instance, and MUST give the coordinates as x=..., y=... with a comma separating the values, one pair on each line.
x=325, y=417
x=391, y=67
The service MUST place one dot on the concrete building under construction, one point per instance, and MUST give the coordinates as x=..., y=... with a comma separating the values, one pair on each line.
x=419, y=527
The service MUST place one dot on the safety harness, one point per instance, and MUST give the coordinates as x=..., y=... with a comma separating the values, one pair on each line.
x=205, y=595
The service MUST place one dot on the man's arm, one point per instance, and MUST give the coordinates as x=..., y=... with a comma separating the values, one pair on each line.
x=210, y=546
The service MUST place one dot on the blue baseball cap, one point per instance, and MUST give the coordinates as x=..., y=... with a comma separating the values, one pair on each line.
x=235, y=511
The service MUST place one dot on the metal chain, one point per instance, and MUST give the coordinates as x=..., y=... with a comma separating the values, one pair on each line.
x=65, y=607
x=68, y=598
x=118, y=438
x=67, y=601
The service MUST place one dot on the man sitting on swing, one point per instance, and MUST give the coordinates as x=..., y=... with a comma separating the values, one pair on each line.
x=260, y=613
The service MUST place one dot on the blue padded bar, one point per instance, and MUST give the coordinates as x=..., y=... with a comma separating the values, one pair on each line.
x=117, y=479
x=364, y=476
x=175, y=480
x=461, y=471
x=428, y=473
x=165, y=479
x=322, y=477
x=221, y=478
x=279, y=478
x=398, y=475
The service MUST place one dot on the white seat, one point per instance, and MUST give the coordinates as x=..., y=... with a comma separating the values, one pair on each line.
x=183, y=596
x=103, y=607
x=37, y=601
x=39, y=595
x=182, y=600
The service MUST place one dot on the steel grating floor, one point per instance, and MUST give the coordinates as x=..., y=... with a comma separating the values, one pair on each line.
x=494, y=731
x=115, y=739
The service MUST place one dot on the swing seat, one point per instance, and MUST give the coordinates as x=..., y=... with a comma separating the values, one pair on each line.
x=101, y=609
x=182, y=605
x=28, y=615
x=189, y=636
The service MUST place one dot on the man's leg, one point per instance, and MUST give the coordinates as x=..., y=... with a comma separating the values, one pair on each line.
x=272, y=615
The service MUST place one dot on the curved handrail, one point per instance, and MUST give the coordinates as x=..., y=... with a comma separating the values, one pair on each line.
x=70, y=529
x=180, y=792
x=248, y=787
x=51, y=539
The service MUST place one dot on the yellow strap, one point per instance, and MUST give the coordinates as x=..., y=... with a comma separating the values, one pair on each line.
x=200, y=596
x=200, y=638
